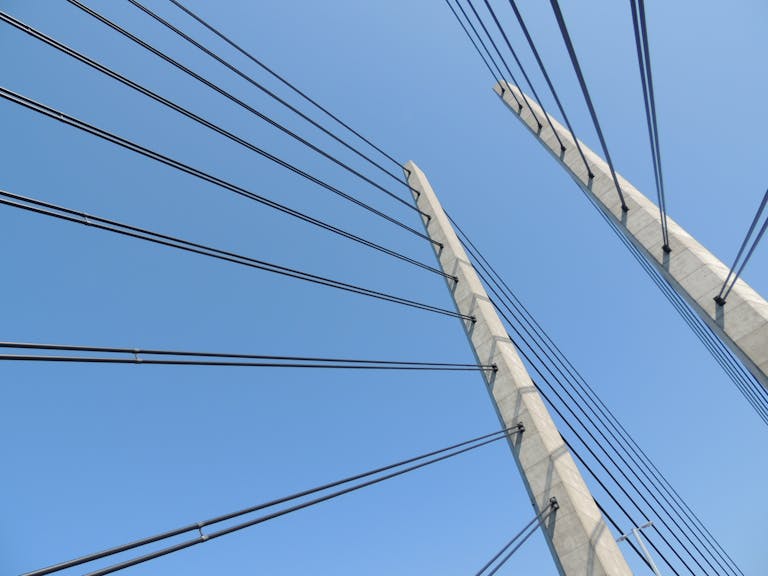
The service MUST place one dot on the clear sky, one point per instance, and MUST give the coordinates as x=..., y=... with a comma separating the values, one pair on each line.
x=95, y=456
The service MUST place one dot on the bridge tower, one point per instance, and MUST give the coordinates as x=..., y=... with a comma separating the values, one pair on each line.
x=692, y=270
x=577, y=535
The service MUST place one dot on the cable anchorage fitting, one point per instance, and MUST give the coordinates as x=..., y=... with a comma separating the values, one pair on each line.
x=553, y=504
x=719, y=300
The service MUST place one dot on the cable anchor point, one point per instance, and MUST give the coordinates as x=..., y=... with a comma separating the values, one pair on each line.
x=719, y=300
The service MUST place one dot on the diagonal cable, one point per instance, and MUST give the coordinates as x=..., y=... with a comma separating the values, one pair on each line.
x=375, y=475
x=237, y=101
x=585, y=91
x=182, y=167
x=723, y=294
x=62, y=213
x=649, y=102
x=296, y=90
x=525, y=74
x=200, y=120
x=531, y=527
x=544, y=73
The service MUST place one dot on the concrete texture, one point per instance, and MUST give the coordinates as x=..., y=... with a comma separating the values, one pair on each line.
x=696, y=274
x=580, y=541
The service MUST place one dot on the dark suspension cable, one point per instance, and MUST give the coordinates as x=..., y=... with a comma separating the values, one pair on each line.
x=531, y=527
x=237, y=101
x=544, y=72
x=179, y=357
x=525, y=75
x=200, y=120
x=585, y=91
x=503, y=60
x=37, y=206
x=472, y=40
x=723, y=294
x=649, y=102
x=404, y=465
x=480, y=39
x=296, y=90
x=168, y=161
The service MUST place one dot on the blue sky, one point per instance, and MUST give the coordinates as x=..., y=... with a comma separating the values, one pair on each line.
x=98, y=455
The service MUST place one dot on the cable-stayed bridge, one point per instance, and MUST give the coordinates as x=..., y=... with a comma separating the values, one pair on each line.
x=181, y=316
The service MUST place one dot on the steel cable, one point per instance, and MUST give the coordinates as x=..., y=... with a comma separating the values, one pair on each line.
x=723, y=294
x=503, y=60
x=285, y=82
x=200, y=120
x=179, y=357
x=62, y=213
x=404, y=465
x=490, y=56
x=237, y=101
x=649, y=102
x=542, y=341
x=168, y=161
x=525, y=75
x=544, y=72
x=585, y=91
x=531, y=527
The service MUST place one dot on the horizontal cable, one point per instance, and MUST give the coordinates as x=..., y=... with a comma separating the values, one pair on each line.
x=723, y=294
x=285, y=82
x=200, y=120
x=237, y=101
x=168, y=161
x=404, y=466
x=141, y=356
x=40, y=207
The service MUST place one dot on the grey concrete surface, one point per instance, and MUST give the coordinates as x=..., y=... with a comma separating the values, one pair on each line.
x=696, y=274
x=580, y=541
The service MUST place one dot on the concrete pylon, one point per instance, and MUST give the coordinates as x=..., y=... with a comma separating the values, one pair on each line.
x=696, y=274
x=580, y=541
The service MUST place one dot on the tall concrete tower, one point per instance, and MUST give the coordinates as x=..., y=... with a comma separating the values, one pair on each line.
x=694, y=272
x=578, y=537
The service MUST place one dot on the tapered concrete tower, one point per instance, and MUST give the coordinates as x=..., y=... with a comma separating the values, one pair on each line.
x=696, y=274
x=580, y=541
